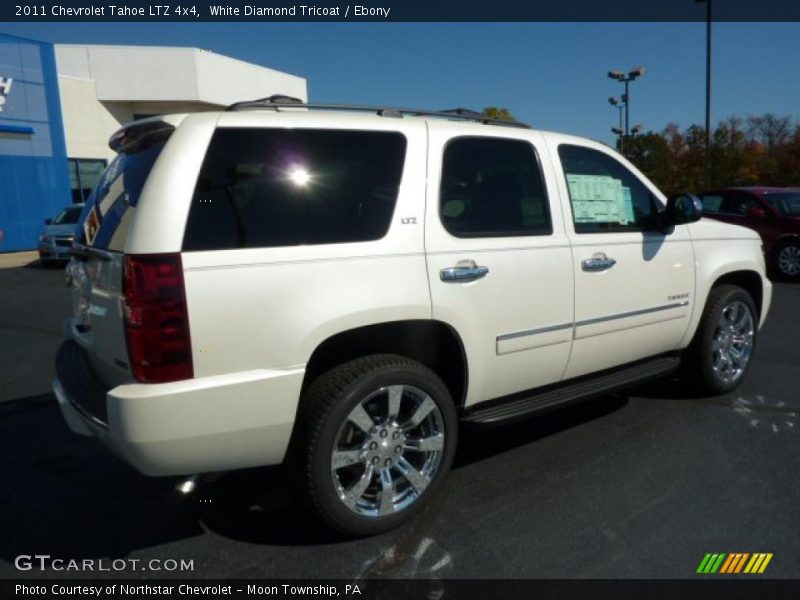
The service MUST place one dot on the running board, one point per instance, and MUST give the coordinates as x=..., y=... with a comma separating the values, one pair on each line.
x=519, y=406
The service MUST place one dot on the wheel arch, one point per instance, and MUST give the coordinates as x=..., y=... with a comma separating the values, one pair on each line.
x=433, y=343
x=793, y=238
x=745, y=276
x=750, y=281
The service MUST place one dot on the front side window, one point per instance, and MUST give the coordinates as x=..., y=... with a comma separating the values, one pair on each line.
x=68, y=216
x=492, y=187
x=605, y=196
x=262, y=188
x=712, y=203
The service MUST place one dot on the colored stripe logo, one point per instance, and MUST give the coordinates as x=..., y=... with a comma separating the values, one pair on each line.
x=734, y=563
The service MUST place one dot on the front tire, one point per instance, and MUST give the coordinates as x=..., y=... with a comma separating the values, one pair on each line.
x=787, y=260
x=376, y=437
x=718, y=357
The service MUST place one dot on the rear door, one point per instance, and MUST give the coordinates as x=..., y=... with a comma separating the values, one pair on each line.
x=499, y=263
x=96, y=271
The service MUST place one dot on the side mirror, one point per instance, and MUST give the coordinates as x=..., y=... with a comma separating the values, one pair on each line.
x=48, y=221
x=683, y=208
x=757, y=212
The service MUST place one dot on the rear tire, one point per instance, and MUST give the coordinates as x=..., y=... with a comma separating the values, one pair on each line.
x=374, y=440
x=718, y=357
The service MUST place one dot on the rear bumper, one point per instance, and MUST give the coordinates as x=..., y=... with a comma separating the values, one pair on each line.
x=186, y=427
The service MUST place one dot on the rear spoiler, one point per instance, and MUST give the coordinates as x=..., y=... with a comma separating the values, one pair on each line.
x=139, y=135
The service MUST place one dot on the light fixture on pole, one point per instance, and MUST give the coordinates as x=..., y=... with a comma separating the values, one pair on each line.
x=622, y=77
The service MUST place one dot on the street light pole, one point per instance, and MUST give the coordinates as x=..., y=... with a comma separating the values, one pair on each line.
x=620, y=105
x=708, y=90
x=708, y=93
x=627, y=101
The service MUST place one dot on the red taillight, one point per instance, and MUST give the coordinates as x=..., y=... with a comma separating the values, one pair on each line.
x=156, y=319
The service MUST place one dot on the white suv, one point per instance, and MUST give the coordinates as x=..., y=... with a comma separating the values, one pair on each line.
x=337, y=289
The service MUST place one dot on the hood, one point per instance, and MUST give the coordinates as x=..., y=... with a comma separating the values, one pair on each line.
x=707, y=228
x=65, y=229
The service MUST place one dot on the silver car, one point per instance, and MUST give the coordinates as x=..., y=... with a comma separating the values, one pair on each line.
x=58, y=234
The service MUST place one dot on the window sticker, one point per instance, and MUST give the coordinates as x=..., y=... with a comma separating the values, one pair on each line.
x=600, y=199
x=626, y=209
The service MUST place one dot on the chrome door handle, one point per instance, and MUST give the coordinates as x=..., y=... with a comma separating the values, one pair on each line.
x=463, y=272
x=598, y=262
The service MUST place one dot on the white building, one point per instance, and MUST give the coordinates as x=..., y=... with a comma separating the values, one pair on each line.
x=103, y=87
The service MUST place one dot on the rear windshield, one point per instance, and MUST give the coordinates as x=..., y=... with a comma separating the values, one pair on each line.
x=106, y=217
x=286, y=187
x=786, y=204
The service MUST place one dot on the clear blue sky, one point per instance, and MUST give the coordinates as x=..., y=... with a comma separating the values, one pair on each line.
x=552, y=75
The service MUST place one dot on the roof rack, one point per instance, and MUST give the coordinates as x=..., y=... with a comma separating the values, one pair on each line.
x=278, y=101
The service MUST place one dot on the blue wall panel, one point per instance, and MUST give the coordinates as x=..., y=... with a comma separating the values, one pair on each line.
x=34, y=180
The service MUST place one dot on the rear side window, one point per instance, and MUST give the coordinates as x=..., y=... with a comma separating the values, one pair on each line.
x=285, y=187
x=787, y=204
x=492, y=187
x=737, y=204
x=106, y=218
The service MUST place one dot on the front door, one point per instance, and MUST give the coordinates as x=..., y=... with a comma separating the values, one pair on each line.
x=634, y=285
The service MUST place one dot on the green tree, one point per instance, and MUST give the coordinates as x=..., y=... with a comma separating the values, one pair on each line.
x=494, y=112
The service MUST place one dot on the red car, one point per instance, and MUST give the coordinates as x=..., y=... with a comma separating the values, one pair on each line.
x=772, y=211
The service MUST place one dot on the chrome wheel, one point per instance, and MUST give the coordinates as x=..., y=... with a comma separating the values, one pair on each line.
x=732, y=344
x=789, y=260
x=388, y=450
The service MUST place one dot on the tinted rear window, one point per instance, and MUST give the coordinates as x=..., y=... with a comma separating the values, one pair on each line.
x=286, y=187
x=105, y=219
x=492, y=187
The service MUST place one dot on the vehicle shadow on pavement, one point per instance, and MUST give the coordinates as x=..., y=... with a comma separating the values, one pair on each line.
x=66, y=496
x=38, y=264
x=257, y=505
x=665, y=389
x=478, y=443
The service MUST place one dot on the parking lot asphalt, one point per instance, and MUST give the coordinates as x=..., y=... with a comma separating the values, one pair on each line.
x=639, y=485
x=33, y=304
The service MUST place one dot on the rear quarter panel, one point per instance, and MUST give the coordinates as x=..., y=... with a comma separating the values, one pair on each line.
x=271, y=307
